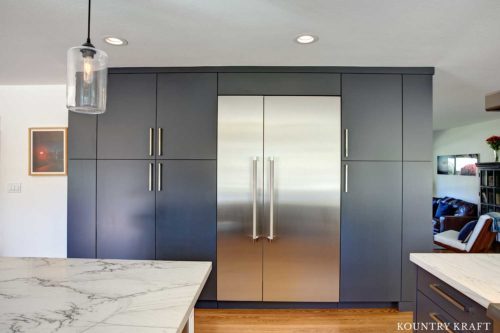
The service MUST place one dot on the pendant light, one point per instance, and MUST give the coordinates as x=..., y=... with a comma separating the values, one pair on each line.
x=87, y=76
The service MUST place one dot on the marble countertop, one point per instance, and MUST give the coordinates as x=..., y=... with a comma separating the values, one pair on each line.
x=475, y=275
x=90, y=295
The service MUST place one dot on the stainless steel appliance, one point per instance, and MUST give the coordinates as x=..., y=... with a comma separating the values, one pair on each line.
x=278, y=195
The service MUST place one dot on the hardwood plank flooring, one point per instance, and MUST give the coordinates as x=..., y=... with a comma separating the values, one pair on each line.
x=303, y=321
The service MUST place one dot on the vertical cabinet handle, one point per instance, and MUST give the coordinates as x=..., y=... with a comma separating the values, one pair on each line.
x=160, y=141
x=160, y=181
x=151, y=141
x=346, y=142
x=254, y=197
x=346, y=178
x=271, y=198
x=150, y=177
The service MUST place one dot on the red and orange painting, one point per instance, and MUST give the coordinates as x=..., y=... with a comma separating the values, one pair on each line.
x=48, y=151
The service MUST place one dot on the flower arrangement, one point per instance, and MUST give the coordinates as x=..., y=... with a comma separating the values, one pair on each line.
x=494, y=143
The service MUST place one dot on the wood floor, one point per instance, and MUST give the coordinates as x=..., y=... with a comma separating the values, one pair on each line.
x=317, y=321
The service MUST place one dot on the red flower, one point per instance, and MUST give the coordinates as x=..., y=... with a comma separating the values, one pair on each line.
x=494, y=142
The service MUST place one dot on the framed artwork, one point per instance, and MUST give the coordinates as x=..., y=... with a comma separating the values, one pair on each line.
x=446, y=165
x=465, y=165
x=460, y=165
x=48, y=151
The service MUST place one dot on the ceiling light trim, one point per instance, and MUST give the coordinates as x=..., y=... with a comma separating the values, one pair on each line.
x=115, y=41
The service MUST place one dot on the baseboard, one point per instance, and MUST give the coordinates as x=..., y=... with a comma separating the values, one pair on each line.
x=206, y=305
x=406, y=306
x=297, y=305
x=367, y=305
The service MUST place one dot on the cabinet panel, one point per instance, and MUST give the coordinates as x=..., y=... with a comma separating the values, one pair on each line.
x=371, y=232
x=82, y=136
x=187, y=114
x=428, y=314
x=186, y=215
x=417, y=221
x=417, y=117
x=125, y=209
x=284, y=84
x=372, y=114
x=124, y=129
x=81, y=208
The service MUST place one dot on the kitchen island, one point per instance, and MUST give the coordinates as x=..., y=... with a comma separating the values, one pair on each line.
x=457, y=290
x=92, y=295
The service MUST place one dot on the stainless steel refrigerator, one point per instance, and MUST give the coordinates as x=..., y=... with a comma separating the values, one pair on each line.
x=278, y=194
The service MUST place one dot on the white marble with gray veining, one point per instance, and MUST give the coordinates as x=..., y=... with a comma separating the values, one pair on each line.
x=476, y=275
x=91, y=295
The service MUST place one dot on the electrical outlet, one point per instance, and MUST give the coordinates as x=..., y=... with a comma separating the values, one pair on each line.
x=14, y=188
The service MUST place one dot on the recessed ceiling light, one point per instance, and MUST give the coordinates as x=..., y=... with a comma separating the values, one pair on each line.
x=306, y=39
x=116, y=41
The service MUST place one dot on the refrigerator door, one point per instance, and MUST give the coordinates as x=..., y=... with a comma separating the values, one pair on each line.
x=239, y=198
x=302, y=199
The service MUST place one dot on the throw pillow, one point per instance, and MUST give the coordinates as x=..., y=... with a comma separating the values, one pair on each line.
x=444, y=209
x=466, y=231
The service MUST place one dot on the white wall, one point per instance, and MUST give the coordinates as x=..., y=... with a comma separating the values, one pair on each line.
x=463, y=140
x=32, y=223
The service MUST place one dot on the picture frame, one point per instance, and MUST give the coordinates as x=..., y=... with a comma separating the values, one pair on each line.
x=48, y=151
x=458, y=165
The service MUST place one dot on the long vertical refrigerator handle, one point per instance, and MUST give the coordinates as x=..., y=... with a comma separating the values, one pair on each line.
x=346, y=178
x=254, y=197
x=346, y=142
x=150, y=178
x=271, y=198
x=151, y=141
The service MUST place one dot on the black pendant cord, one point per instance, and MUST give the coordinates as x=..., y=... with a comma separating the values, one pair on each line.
x=88, y=42
x=88, y=24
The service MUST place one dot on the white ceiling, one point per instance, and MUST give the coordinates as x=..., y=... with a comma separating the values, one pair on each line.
x=459, y=37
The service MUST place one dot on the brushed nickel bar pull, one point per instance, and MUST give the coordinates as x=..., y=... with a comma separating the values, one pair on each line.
x=160, y=141
x=271, y=198
x=254, y=197
x=160, y=169
x=346, y=178
x=346, y=142
x=434, y=316
x=151, y=141
x=150, y=183
x=437, y=290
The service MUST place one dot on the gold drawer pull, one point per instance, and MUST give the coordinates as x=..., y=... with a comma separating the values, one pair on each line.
x=447, y=297
x=434, y=316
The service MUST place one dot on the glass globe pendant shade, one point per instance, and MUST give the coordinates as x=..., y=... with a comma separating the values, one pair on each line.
x=87, y=80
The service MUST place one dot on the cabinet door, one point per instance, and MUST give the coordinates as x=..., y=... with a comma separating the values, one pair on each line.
x=417, y=117
x=186, y=213
x=372, y=116
x=81, y=208
x=124, y=129
x=82, y=136
x=371, y=232
x=125, y=209
x=279, y=84
x=187, y=116
x=417, y=221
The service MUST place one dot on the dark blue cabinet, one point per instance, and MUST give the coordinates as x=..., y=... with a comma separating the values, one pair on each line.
x=126, y=130
x=370, y=268
x=125, y=209
x=372, y=117
x=186, y=209
x=187, y=116
x=81, y=208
